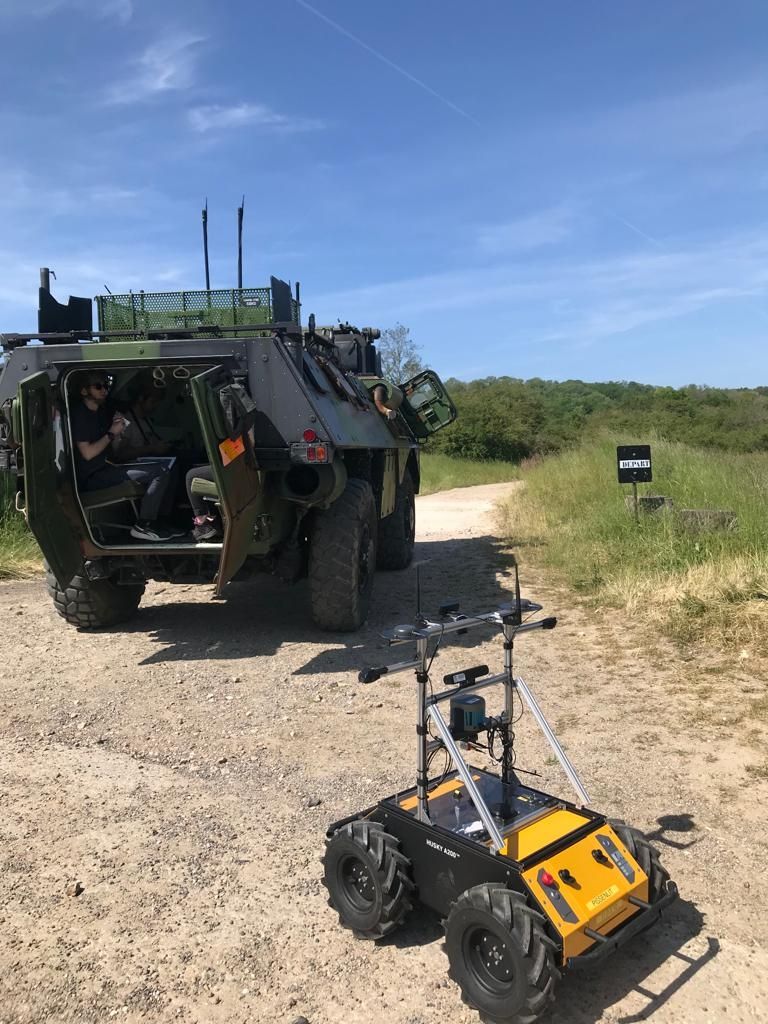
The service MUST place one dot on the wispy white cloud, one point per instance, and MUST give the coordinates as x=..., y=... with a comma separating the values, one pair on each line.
x=84, y=272
x=215, y=117
x=546, y=227
x=122, y=10
x=717, y=119
x=167, y=65
x=579, y=301
x=21, y=190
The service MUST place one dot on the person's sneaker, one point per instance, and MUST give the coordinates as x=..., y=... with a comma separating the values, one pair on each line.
x=149, y=532
x=207, y=531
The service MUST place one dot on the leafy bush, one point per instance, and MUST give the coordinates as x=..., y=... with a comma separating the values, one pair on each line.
x=507, y=418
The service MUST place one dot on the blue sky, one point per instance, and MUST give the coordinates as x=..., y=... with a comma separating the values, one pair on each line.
x=550, y=189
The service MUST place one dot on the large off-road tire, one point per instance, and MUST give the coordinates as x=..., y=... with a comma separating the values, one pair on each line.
x=500, y=955
x=92, y=604
x=342, y=559
x=646, y=856
x=397, y=532
x=368, y=879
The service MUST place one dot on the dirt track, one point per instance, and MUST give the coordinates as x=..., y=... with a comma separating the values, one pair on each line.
x=169, y=768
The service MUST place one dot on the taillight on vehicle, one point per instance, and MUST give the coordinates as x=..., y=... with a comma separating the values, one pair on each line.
x=314, y=453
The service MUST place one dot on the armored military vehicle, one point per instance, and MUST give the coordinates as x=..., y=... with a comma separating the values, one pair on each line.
x=306, y=477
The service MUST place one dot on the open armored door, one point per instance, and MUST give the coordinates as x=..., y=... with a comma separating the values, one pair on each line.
x=427, y=406
x=235, y=473
x=44, y=477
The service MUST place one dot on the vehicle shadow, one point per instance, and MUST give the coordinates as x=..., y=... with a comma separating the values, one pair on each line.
x=583, y=996
x=260, y=616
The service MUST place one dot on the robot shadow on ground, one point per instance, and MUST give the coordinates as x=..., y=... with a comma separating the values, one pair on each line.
x=260, y=616
x=583, y=997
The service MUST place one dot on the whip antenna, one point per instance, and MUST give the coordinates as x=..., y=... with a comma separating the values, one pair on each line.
x=205, y=246
x=240, y=212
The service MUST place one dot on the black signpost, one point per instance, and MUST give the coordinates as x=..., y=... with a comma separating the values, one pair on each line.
x=634, y=466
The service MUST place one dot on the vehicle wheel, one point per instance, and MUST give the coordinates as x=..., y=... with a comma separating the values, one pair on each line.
x=500, y=955
x=91, y=604
x=397, y=531
x=646, y=856
x=342, y=559
x=367, y=878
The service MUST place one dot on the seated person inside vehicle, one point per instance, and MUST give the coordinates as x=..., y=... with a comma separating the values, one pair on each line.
x=141, y=438
x=95, y=426
x=205, y=518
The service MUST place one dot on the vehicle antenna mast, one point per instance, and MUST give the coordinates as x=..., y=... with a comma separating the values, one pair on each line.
x=240, y=212
x=205, y=246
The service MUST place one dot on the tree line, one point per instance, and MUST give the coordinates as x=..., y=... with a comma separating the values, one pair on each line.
x=512, y=419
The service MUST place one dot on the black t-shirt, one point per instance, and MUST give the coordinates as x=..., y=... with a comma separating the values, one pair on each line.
x=88, y=425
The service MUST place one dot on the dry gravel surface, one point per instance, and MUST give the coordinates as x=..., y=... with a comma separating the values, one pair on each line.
x=166, y=789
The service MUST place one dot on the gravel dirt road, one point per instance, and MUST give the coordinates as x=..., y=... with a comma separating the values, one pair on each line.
x=183, y=771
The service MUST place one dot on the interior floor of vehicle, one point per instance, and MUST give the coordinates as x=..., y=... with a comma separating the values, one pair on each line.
x=163, y=437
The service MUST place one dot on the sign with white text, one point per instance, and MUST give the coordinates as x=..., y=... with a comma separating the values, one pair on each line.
x=634, y=463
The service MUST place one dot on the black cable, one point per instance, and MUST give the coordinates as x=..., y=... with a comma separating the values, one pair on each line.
x=437, y=646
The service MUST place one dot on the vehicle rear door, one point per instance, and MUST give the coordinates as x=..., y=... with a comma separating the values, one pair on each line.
x=44, y=477
x=235, y=471
x=427, y=406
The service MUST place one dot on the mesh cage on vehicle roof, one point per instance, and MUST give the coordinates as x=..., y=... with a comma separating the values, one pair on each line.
x=158, y=311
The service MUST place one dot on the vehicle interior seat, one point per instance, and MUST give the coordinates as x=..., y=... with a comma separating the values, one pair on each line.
x=127, y=492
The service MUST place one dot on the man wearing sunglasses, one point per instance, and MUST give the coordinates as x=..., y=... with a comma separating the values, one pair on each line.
x=94, y=428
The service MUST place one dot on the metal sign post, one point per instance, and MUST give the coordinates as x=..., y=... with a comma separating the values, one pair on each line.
x=634, y=467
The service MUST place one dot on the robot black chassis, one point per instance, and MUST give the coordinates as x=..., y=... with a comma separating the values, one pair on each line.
x=527, y=883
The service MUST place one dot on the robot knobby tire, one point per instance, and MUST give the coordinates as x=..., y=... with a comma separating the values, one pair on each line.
x=499, y=955
x=367, y=878
x=398, y=530
x=646, y=856
x=93, y=604
x=342, y=559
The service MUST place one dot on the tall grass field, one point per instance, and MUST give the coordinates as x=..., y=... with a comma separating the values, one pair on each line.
x=19, y=554
x=696, y=586
x=444, y=472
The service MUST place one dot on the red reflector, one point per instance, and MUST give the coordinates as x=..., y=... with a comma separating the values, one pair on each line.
x=309, y=436
x=311, y=455
x=546, y=878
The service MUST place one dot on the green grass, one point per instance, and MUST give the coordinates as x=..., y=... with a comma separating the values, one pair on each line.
x=20, y=556
x=705, y=586
x=443, y=472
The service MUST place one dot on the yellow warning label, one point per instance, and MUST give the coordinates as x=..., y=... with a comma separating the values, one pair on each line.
x=602, y=898
x=230, y=450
